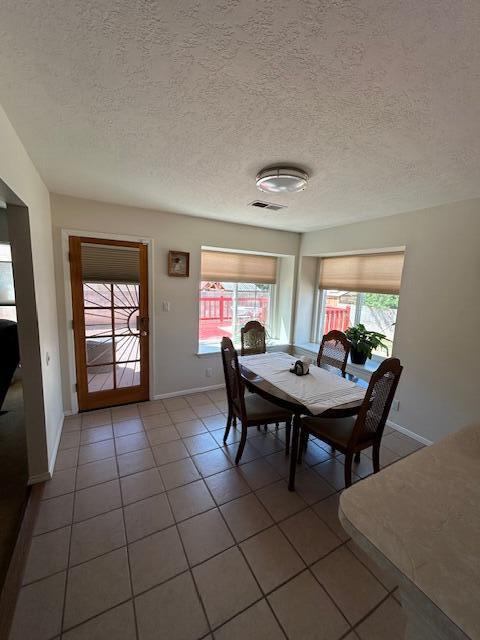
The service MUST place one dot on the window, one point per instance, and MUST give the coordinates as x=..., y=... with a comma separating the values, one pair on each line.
x=342, y=309
x=360, y=288
x=8, y=310
x=235, y=288
x=226, y=306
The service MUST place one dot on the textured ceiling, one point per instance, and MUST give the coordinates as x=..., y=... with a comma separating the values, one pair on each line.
x=176, y=105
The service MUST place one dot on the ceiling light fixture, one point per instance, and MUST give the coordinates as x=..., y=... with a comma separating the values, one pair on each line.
x=282, y=180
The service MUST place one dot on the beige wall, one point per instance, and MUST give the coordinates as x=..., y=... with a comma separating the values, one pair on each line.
x=39, y=333
x=176, y=365
x=436, y=334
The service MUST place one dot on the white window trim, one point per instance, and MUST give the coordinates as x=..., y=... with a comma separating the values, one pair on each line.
x=273, y=305
x=273, y=345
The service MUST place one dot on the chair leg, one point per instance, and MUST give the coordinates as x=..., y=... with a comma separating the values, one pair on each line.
x=301, y=445
x=265, y=427
x=357, y=457
x=305, y=441
x=348, y=469
x=376, y=457
x=288, y=431
x=227, y=428
x=241, y=445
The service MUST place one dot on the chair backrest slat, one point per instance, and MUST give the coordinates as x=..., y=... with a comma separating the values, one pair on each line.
x=334, y=350
x=233, y=379
x=378, y=400
x=253, y=338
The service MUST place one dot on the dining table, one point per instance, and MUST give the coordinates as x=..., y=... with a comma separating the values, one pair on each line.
x=267, y=389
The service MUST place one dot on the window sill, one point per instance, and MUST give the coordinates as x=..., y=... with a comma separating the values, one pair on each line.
x=274, y=345
x=363, y=371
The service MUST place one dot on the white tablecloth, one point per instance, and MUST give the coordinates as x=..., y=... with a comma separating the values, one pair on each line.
x=318, y=391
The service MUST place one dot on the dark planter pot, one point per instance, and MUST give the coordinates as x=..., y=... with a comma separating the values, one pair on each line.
x=357, y=357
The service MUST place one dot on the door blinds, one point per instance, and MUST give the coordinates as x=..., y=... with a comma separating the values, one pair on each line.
x=220, y=266
x=372, y=273
x=109, y=263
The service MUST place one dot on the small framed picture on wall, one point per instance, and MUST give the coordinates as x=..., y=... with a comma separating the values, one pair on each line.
x=178, y=264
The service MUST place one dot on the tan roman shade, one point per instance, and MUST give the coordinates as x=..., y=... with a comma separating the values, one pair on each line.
x=108, y=263
x=220, y=266
x=372, y=273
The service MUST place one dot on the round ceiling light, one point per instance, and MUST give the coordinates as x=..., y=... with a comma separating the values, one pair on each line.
x=282, y=180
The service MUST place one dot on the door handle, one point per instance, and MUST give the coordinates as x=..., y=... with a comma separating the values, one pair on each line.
x=142, y=323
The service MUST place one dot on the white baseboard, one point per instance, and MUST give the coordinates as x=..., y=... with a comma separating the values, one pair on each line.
x=163, y=396
x=187, y=392
x=409, y=433
x=40, y=477
x=43, y=477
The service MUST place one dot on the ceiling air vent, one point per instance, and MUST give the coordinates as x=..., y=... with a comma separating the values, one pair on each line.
x=267, y=205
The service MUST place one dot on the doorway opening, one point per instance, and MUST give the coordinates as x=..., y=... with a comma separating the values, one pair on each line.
x=13, y=445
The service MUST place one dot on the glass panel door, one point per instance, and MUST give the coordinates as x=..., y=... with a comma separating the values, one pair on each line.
x=109, y=288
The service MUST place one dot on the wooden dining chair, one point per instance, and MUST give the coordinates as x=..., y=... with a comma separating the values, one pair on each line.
x=251, y=411
x=352, y=435
x=334, y=350
x=253, y=338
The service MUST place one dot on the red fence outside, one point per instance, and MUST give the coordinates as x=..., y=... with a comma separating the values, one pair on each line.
x=337, y=318
x=216, y=314
x=221, y=308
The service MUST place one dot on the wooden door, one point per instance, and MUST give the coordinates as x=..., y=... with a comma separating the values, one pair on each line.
x=110, y=321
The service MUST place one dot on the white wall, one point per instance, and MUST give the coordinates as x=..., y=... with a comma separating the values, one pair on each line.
x=42, y=381
x=176, y=365
x=307, y=278
x=286, y=290
x=436, y=334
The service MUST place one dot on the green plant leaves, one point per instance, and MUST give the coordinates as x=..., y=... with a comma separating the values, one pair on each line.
x=365, y=341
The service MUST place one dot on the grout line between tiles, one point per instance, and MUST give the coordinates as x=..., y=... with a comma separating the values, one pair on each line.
x=377, y=606
x=127, y=552
x=97, y=615
x=67, y=569
x=369, y=570
x=331, y=599
x=189, y=567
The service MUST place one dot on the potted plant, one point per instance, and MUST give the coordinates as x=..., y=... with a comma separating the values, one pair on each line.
x=364, y=342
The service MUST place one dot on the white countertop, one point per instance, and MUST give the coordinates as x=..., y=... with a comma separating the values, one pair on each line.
x=423, y=515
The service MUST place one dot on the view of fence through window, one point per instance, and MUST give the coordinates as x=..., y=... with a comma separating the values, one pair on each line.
x=226, y=306
x=342, y=309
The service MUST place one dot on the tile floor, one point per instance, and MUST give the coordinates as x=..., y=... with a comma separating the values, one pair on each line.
x=148, y=530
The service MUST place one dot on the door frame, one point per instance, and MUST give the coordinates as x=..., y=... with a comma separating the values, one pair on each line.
x=72, y=374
